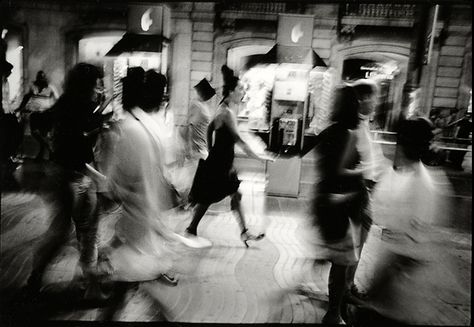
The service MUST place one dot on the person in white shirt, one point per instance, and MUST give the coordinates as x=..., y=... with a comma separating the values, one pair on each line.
x=411, y=207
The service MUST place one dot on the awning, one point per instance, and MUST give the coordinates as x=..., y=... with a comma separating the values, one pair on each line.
x=137, y=43
x=272, y=57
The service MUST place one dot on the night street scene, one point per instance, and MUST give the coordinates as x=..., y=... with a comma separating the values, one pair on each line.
x=236, y=163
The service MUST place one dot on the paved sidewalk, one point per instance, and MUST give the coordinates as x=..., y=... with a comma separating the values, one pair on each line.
x=226, y=283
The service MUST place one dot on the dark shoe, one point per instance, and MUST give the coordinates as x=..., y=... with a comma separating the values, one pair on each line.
x=331, y=319
x=354, y=292
x=245, y=236
x=189, y=232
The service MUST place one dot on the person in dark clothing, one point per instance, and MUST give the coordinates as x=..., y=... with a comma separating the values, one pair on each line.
x=340, y=198
x=216, y=177
x=73, y=117
x=10, y=134
x=35, y=111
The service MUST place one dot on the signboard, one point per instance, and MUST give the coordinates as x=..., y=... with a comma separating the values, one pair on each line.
x=295, y=30
x=149, y=19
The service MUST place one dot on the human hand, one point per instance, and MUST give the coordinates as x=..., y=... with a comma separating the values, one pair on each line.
x=267, y=156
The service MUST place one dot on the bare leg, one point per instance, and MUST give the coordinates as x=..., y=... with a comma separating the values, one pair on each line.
x=199, y=211
x=235, y=204
x=236, y=207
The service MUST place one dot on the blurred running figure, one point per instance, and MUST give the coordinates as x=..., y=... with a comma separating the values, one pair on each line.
x=195, y=134
x=340, y=198
x=35, y=112
x=410, y=204
x=216, y=177
x=372, y=161
x=76, y=195
x=141, y=249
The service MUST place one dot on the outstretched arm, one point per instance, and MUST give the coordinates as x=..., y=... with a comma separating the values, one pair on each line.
x=230, y=120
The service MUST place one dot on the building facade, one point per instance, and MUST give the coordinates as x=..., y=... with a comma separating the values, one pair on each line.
x=428, y=46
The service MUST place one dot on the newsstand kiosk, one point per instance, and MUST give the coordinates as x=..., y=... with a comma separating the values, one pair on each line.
x=289, y=103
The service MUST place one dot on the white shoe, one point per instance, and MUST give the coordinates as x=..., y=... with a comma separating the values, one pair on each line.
x=194, y=241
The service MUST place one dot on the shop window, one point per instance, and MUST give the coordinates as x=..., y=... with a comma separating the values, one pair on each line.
x=92, y=49
x=239, y=57
x=257, y=80
x=389, y=97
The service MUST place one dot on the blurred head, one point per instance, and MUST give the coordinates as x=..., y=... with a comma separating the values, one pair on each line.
x=414, y=138
x=345, y=107
x=41, y=79
x=132, y=86
x=152, y=91
x=84, y=82
x=232, y=90
x=366, y=91
x=204, y=90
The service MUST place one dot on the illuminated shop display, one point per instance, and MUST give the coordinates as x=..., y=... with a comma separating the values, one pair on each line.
x=258, y=83
x=14, y=55
x=322, y=81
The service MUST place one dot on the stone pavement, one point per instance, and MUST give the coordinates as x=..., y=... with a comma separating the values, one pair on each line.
x=226, y=283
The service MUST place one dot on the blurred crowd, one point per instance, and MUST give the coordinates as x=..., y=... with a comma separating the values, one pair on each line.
x=127, y=158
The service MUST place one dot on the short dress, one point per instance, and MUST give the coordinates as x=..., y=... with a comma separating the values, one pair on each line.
x=339, y=224
x=216, y=177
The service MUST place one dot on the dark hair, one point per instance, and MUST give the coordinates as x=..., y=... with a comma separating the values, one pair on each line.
x=364, y=88
x=345, y=108
x=414, y=137
x=132, y=85
x=81, y=80
x=152, y=91
x=230, y=81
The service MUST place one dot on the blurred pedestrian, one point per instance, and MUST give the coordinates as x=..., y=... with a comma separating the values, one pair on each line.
x=73, y=118
x=10, y=132
x=372, y=161
x=34, y=110
x=340, y=197
x=411, y=208
x=195, y=134
x=216, y=177
x=142, y=247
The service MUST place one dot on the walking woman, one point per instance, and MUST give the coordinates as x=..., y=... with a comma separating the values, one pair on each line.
x=216, y=177
x=340, y=197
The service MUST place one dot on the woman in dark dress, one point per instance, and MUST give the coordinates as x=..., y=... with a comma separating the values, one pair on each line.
x=216, y=177
x=340, y=197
